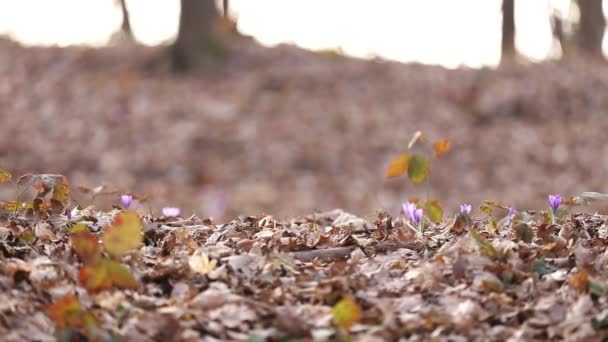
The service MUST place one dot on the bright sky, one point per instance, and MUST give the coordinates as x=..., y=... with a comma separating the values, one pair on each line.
x=446, y=32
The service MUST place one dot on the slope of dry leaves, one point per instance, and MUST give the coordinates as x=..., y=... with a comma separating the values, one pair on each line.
x=288, y=132
x=264, y=279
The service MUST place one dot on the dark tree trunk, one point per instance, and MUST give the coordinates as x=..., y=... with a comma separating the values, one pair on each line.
x=226, y=7
x=508, y=31
x=196, y=42
x=126, y=21
x=591, y=26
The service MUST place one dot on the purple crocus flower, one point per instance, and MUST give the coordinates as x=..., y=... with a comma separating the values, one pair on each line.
x=511, y=212
x=68, y=213
x=511, y=215
x=554, y=202
x=126, y=200
x=465, y=209
x=171, y=212
x=413, y=214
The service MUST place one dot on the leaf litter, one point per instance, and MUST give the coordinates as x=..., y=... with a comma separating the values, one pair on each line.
x=326, y=276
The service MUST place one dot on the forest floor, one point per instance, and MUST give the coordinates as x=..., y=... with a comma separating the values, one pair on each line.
x=287, y=131
x=280, y=137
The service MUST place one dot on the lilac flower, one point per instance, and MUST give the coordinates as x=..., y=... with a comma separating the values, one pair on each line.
x=171, y=212
x=465, y=209
x=511, y=215
x=413, y=214
x=554, y=202
x=126, y=200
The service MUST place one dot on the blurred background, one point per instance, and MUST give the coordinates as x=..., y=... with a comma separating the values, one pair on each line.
x=286, y=107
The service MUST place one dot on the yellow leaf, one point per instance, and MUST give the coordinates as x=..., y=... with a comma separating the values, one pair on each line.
x=441, y=147
x=61, y=190
x=398, y=166
x=200, y=263
x=5, y=176
x=346, y=313
x=124, y=235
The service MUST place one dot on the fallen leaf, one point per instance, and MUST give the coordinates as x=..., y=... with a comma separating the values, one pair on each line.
x=580, y=280
x=201, y=264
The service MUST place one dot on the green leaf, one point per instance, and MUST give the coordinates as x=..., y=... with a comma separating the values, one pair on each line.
x=485, y=247
x=486, y=209
x=597, y=288
x=418, y=169
x=79, y=228
x=434, y=211
x=120, y=275
x=541, y=268
x=524, y=233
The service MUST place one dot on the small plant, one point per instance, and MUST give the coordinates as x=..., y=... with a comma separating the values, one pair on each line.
x=554, y=203
x=418, y=170
x=98, y=272
x=415, y=216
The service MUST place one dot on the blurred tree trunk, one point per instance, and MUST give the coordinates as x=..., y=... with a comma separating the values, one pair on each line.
x=508, y=31
x=225, y=7
x=126, y=21
x=196, y=43
x=590, y=31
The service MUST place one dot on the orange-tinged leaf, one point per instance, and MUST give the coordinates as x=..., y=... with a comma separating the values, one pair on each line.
x=120, y=275
x=346, y=313
x=86, y=245
x=66, y=312
x=434, y=210
x=94, y=277
x=441, y=147
x=124, y=235
x=418, y=169
x=104, y=274
x=5, y=176
x=398, y=166
x=580, y=280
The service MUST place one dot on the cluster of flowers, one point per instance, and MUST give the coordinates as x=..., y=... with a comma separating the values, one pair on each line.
x=415, y=215
x=127, y=200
